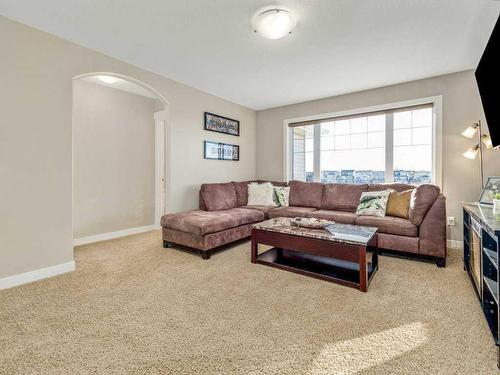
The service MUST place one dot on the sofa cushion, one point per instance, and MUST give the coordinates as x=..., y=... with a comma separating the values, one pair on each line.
x=337, y=216
x=279, y=183
x=200, y=222
x=264, y=209
x=306, y=194
x=422, y=198
x=342, y=197
x=241, y=189
x=218, y=196
x=275, y=183
x=391, y=185
x=290, y=211
x=389, y=225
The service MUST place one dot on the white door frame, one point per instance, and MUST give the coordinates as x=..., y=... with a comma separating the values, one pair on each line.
x=162, y=163
x=160, y=185
x=161, y=176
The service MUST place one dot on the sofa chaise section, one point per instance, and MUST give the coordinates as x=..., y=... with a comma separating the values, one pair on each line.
x=206, y=230
x=218, y=222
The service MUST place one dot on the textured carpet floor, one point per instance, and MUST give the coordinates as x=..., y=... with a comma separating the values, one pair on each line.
x=134, y=307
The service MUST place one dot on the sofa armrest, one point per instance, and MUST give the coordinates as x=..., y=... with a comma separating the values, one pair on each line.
x=201, y=202
x=432, y=231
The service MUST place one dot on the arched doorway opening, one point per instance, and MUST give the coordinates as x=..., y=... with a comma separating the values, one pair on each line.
x=120, y=163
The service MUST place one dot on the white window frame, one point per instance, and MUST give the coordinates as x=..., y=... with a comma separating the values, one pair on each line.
x=437, y=134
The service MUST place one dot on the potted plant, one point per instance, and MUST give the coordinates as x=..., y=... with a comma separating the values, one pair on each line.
x=496, y=201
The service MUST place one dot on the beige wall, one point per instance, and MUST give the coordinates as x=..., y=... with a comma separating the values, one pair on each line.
x=36, y=71
x=113, y=160
x=461, y=107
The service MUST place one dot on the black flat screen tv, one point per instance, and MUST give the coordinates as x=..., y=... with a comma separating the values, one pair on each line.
x=488, y=81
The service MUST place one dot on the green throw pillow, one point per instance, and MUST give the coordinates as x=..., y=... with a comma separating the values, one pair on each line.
x=373, y=203
x=281, y=196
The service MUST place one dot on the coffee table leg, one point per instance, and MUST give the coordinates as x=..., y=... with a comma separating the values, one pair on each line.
x=363, y=271
x=253, y=250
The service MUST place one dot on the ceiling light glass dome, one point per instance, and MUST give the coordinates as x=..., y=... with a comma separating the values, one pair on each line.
x=274, y=23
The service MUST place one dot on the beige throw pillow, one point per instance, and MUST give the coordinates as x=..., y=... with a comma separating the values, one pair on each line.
x=398, y=204
x=261, y=194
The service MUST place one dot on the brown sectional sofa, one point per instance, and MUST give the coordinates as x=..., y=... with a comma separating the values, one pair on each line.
x=224, y=217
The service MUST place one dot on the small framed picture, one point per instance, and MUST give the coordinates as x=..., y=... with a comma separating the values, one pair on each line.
x=221, y=124
x=490, y=190
x=221, y=151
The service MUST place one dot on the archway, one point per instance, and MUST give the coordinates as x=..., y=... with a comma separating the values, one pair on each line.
x=86, y=231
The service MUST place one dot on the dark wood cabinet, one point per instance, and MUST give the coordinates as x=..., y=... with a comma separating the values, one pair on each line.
x=481, y=251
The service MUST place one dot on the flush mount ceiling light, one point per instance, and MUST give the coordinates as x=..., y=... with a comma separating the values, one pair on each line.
x=108, y=79
x=274, y=23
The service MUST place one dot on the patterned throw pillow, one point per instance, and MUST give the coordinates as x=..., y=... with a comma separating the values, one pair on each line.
x=373, y=203
x=281, y=196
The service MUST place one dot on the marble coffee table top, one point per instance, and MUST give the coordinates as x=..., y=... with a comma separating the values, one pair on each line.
x=345, y=233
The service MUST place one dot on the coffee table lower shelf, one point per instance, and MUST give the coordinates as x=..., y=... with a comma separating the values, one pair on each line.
x=324, y=268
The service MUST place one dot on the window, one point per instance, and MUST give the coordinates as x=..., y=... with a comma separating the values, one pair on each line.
x=413, y=146
x=394, y=145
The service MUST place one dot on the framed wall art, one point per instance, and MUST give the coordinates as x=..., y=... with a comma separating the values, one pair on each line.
x=221, y=124
x=220, y=151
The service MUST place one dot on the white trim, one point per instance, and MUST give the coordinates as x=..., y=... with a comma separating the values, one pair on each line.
x=161, y=115
x=287, y=156
x=112, y=235
x=376, y=108
x=160, y=121
x=144, y=85
x=167, y=162
x=454, y=244
x=437, y=141
x=436, y=101
x=316, y=155
x=389, y=145
x=40, y=274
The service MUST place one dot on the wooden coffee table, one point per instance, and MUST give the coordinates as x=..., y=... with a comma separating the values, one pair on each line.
x=344, y=254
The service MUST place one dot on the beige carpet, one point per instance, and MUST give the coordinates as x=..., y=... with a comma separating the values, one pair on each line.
x=134, y=307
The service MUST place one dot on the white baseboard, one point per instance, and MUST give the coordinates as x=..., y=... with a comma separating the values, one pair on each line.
x=42, y=273
x=454, y=244
x=112, y=235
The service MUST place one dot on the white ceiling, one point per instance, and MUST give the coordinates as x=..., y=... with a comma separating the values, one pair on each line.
x=123, y=85
x=339, y=46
